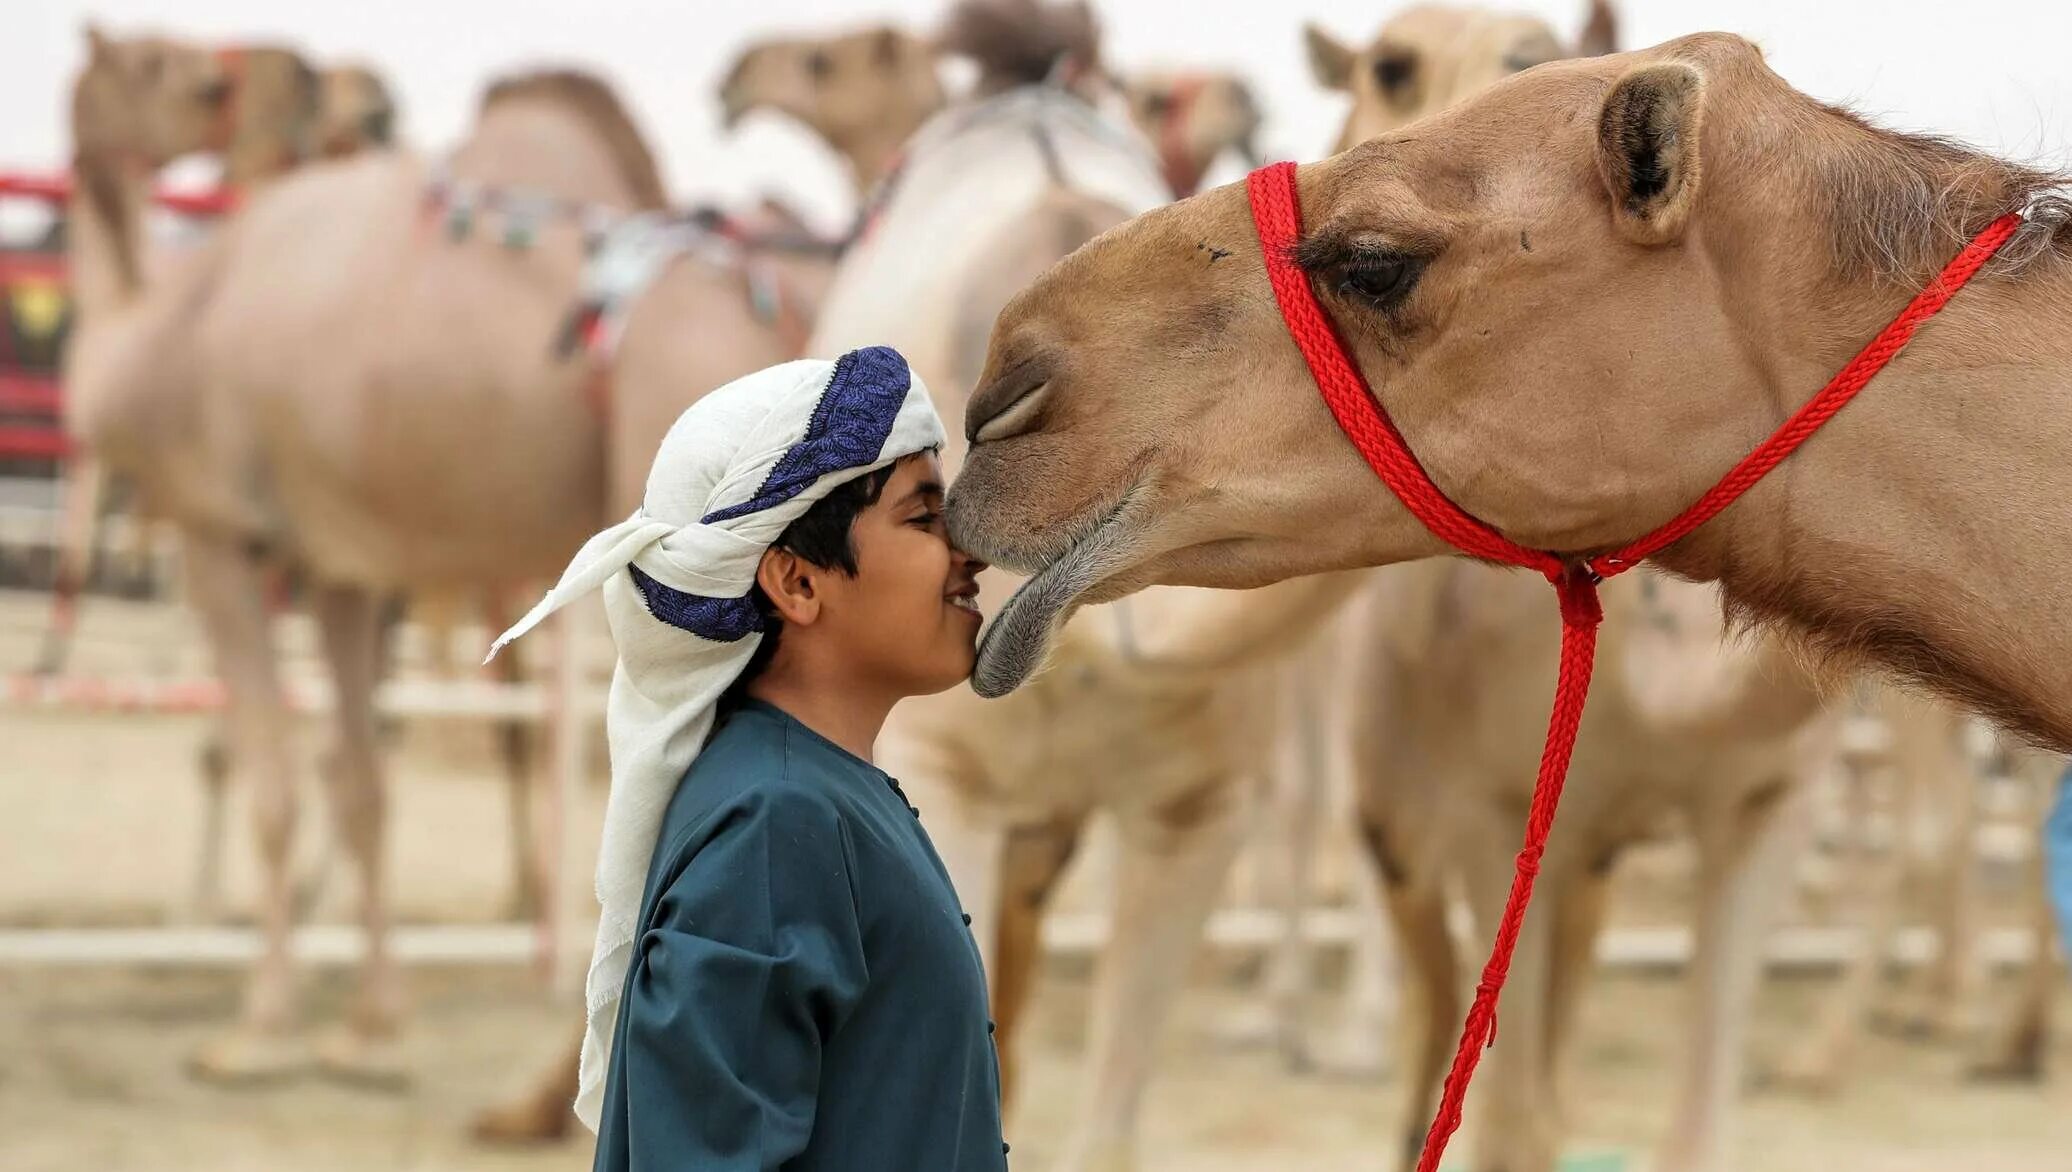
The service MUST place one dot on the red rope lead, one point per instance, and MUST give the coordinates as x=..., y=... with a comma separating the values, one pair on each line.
x=1277, y=212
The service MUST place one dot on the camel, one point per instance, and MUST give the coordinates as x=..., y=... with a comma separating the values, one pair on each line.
x=863, y=92
x=1214, y=464
x=1430, y=56
x=836, y=85
x=990, y=193
x=264, y=110
x=1571, y=189
x=355, y=112
x=1454, y=666
x=1193, y=118
x=1933, y=779
x=267, y=109
x=866, y=91
x=1425, y=70
x=1445, y=660
x=297, y=397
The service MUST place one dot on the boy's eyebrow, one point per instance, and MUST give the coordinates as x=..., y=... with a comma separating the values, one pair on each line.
x=922, y=491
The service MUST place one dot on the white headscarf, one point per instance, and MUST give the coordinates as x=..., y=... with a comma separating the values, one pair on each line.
x=740, y=465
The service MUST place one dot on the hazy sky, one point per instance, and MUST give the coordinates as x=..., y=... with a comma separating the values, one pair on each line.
x=1997, y=72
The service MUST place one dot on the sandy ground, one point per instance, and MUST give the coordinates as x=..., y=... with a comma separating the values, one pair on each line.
x=100, y=824
x=90, y=1078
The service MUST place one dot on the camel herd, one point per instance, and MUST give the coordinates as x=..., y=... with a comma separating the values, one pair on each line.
x=356, y=380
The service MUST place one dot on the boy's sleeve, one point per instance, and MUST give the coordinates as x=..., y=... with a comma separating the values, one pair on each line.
x=753, y=958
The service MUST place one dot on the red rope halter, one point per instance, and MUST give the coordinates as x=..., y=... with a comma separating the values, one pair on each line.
x=1277, y=212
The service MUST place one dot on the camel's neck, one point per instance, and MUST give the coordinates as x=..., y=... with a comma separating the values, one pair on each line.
x=105, y=233
x=871, y=154
x=1926, y=525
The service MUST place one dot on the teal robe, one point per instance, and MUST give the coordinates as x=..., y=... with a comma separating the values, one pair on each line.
x=805, y=993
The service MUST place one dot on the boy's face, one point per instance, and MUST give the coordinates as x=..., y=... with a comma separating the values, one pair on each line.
x=909, y=618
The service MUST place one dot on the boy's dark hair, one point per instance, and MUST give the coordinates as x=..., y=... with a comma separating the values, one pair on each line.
x=821, y=537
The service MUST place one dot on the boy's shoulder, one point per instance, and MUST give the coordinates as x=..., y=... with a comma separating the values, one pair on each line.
x=759, y=761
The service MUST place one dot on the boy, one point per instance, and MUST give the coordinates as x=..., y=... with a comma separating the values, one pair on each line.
x=795, y=986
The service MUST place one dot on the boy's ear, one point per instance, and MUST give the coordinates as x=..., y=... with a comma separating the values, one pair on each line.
x=791, y=582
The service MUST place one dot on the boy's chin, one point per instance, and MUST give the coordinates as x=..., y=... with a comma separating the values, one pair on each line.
x=957, y=670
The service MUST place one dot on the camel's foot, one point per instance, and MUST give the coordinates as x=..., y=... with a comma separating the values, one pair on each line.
x=1815, y=1072
x=533, y=1119
x=370, y=1060
x=1919, y=1017
x=249, y=1057
x=2018, y=1059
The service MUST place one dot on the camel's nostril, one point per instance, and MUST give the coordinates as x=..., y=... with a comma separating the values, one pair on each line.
x=1005, y=404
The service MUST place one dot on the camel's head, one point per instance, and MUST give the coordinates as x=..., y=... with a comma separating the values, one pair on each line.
x=879, y=82
x=1193, y=118
x=356, y=112
x=1547, y=286
x=1429, y=57
x=276, y=109
x=151, y=99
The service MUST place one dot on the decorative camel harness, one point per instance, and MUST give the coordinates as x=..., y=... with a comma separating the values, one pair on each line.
x=1277, y=213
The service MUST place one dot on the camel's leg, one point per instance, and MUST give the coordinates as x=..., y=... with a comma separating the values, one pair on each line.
x=1431, y=980
x=1172, y=868
x=1293, y=834
x=353, y=632
x=2018, y=1044
x=213, y=764
x=545, y=1113
x=1518, y=1130
x=1940, y=778
x=227, y=589
x=1745, y=864
x=72, y=559
x=1578, y=919
x=1370, y=983
x=515, y=744
x=1818, y=1065
x=1034, y=859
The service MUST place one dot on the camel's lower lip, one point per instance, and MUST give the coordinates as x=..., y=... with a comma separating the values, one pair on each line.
x=1018, y=639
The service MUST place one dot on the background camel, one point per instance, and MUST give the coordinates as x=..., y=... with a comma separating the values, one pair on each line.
x=1430, y=56
x=355, y=111
x=1930, y=781
x=305, y=393
x=1192, y=118
x=264, y=117
x=1455, y=666
x=997, y=190
x=863, y=92
x=263, y=110
x=1453, y=663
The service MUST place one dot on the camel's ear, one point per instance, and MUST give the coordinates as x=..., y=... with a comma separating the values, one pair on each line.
x=1647, y=149
x=1330, y=60
x=96, y=41
x=888, y=47
x=1600, y=31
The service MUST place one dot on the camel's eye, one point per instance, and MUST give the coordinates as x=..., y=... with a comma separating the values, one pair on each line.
x=1382, y=280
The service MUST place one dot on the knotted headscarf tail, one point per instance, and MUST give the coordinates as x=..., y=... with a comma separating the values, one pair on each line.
x=738, y=467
